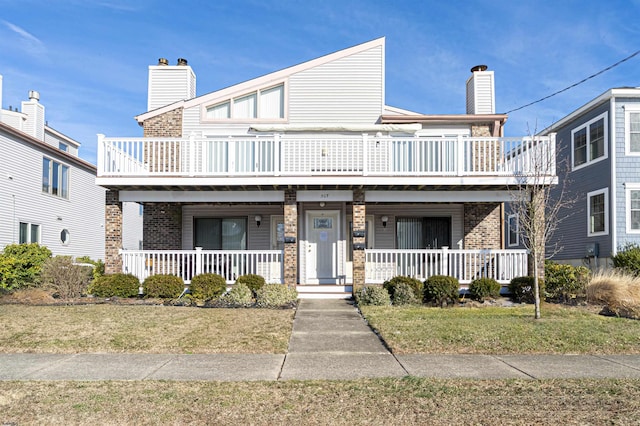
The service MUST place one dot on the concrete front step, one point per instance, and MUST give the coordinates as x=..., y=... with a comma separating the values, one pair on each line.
x=324, y=291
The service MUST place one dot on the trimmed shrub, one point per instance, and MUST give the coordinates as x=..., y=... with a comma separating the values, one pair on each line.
x=21, y=264
x=64, y=279
x=116, y=285
x=253, y=281
x=564, y=283
x=441, y=290
x=404, y=294
x=522, y=291
x=276, y=296
x=163, y=286
x=484, y=288
x=414, y=283
x=207, y=286
x=373, y=295
x=240, y=296
x=628, y=259
x=98, y=265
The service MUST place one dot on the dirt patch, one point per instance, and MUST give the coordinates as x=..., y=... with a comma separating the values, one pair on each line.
x=39, y=297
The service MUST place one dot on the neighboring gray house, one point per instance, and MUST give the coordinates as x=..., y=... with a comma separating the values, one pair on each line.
x=601, y=141
x=48, y=194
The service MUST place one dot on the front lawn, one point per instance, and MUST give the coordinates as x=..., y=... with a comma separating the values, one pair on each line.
x=503, y=330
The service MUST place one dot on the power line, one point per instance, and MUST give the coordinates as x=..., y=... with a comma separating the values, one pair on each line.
x=575, y=84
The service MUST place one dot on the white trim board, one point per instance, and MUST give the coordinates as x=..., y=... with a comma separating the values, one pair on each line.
x=202, y=196
x=438, y=196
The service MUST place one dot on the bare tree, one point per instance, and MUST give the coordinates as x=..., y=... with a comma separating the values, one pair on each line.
x=537, y=199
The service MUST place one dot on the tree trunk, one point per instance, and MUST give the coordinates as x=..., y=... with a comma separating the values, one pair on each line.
x=536, y=286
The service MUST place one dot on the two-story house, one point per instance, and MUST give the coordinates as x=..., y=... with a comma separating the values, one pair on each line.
x=307, y=177
x=601, y=141
x=48, y=194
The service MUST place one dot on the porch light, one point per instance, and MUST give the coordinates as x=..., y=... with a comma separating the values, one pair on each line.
x=384, y=219
x=258, y=219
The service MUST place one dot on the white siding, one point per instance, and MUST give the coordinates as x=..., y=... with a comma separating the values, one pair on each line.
x=349, y=90
x=168, y=84
x=82, y=214
x=481, y=93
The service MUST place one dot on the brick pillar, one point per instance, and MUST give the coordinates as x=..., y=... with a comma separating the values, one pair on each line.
x=162, y=226
x=113, y=232
x=482, y=226
x=359, y=228
x=290, y=238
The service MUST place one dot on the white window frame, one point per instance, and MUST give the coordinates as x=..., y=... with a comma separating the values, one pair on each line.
x=61, y=187
x=30, y=226
x=275, y=220
x=586, y=126
x=628, y=110
x=517, y=230
x=257, y=115
x=604, y=191
x=627, y=189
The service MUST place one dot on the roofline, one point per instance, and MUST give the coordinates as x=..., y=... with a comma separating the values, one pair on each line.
x=633, y=92
x=274, y=77
x=62, y=135
x=45, y=146
x=444, y=118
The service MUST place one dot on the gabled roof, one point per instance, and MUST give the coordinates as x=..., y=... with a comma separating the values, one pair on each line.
x=264, y=81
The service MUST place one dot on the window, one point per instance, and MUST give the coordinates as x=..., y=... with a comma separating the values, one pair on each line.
x=265, y=103
x=220, y=233
x=633, y=207
x=63, y=147
x=277, y=232
x=29, y=233
x=64, y=237
x=632, y=130
x=55, y=178
x=423, y=232
x=513, y=230
x=598, y=212
x=589, y=142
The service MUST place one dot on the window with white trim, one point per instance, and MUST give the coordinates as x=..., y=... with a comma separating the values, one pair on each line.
x=261, y=104
x=29, y=233
x=277, y=232
x=589, y=142
x=632, y=129
x=513, y=230
x=633, y=207
x=55, y=178
x=598, y=212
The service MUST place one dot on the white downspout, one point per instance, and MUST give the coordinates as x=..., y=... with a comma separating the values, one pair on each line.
x=613, y=146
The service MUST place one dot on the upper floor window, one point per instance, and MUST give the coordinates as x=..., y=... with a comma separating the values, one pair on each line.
x=29, y=233
x=261, y=104
x=589, y=142
x=632, y=130
x=55, y=178
x=63, y=147
x=598, y=212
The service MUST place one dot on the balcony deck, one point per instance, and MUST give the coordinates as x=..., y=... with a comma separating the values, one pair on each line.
x=320, y=159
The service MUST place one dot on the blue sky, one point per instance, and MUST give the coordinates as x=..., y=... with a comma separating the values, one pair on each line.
x=89, y=59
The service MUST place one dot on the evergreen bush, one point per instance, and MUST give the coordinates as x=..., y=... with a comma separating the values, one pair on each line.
x=115, y=285
x=240, y=296
x=441, y=290
x=21, y=264
x=628, y=259
x=163, y=286
x=484, y=288
x=207, y=286
x=373, y=295
x=564, y=283
x=404, y=294
x=416, y=285
x=276, y=296
x=522, y=291
x=253, y=281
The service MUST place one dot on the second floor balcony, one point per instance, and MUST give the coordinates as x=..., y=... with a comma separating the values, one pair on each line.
x=321, y=159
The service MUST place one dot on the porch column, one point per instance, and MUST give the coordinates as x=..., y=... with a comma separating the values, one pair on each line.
x=290, y=238
x=359, y=232
x=113, y=232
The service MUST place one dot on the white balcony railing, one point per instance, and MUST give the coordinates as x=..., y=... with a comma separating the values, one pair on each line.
x=317, y=155
x=381, y=265
x=465, y=265
x=188, y=263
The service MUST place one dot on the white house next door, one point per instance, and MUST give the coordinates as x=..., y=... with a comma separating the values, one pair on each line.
x=323, y=233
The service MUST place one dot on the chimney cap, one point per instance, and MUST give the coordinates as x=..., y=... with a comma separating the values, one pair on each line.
x=163, y=61
x=479, y=68
x=34, y=95
x=182, y=61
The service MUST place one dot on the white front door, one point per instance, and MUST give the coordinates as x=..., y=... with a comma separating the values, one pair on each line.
x=323, y=233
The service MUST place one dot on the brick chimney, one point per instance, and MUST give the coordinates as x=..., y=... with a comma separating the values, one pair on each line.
x=170, y=83
x=481, y=91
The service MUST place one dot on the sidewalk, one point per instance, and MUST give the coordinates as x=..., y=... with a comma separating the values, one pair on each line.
x=330, y=340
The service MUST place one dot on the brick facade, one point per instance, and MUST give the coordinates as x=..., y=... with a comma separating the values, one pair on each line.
x=113, y=232
x=162, y=226
x=483, y=226
x=167, y=125
x=291, y=238
x=359, y=224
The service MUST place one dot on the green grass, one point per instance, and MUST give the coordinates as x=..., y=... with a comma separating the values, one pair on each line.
x=143, y=329
x=500, y=330
x=368, y=401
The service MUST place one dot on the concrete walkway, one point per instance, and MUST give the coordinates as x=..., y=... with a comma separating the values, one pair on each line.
x=330, y=340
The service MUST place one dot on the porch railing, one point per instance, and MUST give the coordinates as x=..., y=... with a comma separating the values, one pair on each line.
x=465, y=265
x=188, y=263
x=317, y=155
